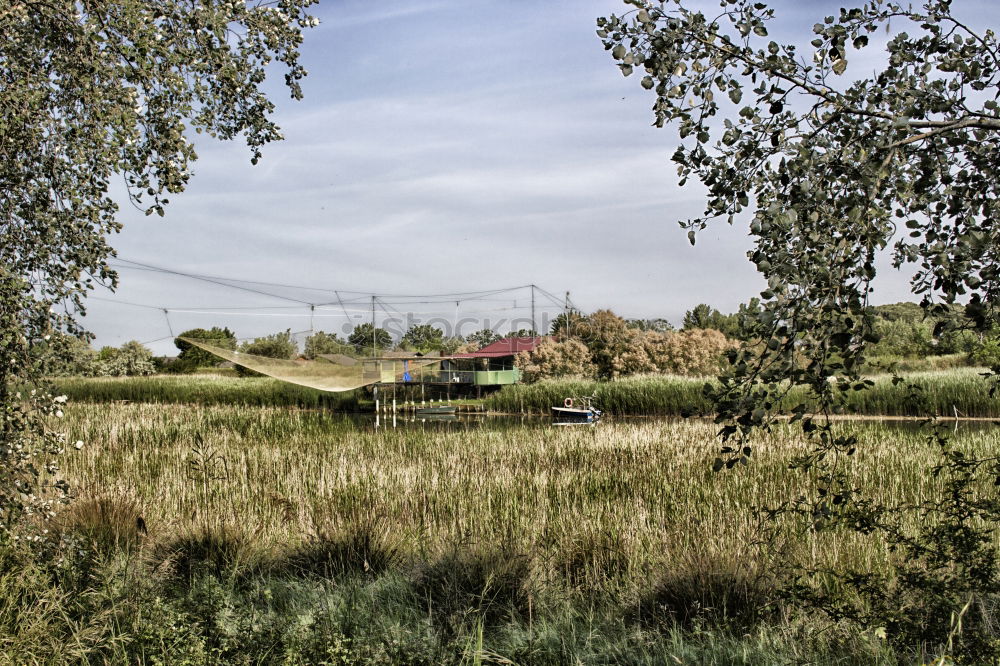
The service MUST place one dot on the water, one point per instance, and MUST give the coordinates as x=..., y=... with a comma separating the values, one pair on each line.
x=464, y=421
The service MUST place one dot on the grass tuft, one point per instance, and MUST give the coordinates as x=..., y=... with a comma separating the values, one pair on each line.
x=366, y=551
x=699, y=592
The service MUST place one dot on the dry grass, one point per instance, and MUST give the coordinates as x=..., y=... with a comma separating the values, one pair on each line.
x=618, y=505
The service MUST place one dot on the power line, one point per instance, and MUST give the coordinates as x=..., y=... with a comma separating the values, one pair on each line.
x=218, y=281
x=225, y=282
x=402, y=300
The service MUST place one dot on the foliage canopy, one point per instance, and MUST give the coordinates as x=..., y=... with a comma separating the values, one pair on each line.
x=194, y=357
x=367, y=338
x=94, y=92
x=831, y=171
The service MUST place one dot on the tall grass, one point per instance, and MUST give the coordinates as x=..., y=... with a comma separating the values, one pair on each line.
x=958, y=390
x=946, y=392
x=204, y=389
x=298, y=533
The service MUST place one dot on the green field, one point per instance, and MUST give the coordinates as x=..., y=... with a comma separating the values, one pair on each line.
x=289, y=536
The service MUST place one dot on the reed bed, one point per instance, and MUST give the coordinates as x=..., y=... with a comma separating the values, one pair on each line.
x=205, y=389
x=290, y=536
x=959, y=391
x=643, y=486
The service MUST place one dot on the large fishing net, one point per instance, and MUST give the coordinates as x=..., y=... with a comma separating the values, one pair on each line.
x=330, y=372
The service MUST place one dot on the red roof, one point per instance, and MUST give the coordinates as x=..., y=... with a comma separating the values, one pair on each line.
x=505, y=347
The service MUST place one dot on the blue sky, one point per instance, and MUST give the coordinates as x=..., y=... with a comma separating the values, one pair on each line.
x=442, y=146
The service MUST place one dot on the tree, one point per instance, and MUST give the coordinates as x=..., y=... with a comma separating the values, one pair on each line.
x=705, y=316
x=63, y=355
x=132, y=359
x=423, y=338
x=564, y=324
x=658, y=324
x=607, y=336
x=908, y=330
x=834, y=168
x=192, y=357
x=94, y=92
x=698, y=351
x=482, y=338
x=276, y=345
x=568, y=358
x=362, y=338
x=324, y=343
x=452, y=344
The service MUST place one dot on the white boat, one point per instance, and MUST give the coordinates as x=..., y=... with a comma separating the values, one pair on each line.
x=577, y=410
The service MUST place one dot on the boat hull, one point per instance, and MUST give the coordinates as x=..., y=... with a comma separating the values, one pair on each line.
x=576, y=414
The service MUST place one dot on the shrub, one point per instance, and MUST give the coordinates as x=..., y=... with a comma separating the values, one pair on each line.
x=570, y=358
x=696, y=351
x=987, y=353
x=132, y=359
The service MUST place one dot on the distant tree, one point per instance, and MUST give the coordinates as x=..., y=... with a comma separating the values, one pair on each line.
x=192, y=357
x=698, y=351
x=705, y=316
x=658, y=325
x=568, y=358
x=324, y=343
x=904, y=311
x=987, y=353
x=904, y=337
x=278, y=345
x=422, y=338
x=452, y=345
x=482, y=337
x=522, y=333
x=361, y=338
x=738, y=325
x=132, y=359
x=467, y=347
x=608, y=336
x=635, y=359
x=564, y=325
x=909, y=331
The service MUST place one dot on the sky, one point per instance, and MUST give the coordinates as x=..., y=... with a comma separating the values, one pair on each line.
x=442, y=146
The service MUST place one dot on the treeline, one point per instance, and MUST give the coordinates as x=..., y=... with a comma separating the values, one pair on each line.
x=364, y=341
x=601, y=345
x=66, y=355
x=908, y=335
